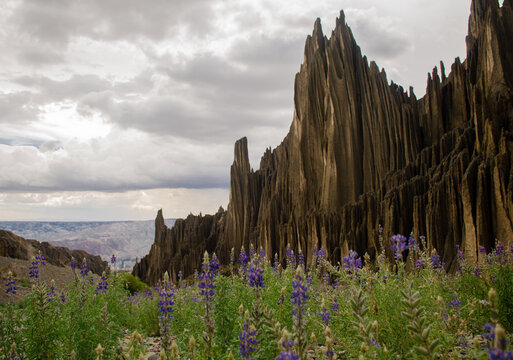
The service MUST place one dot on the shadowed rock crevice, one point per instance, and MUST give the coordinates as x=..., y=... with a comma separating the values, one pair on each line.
x=362, y=152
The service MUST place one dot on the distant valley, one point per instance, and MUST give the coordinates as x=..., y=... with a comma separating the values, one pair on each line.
x=129, y=240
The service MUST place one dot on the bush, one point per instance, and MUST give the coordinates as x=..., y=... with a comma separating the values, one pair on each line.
x=132, y=283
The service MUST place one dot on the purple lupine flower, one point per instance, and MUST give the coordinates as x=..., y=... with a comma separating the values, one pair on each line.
x=113, y=260
x=34, y=269
x=287, y=345
x=291, y=258
x=489, y=331
x=10, y=285
x=166, y=303
x=73, y=263
x=262, y=253
x=482, y=250
x=276, y=264
x=248, y=341
x=40, y=258
x=326, y=278
x=255, y=277
x=103, y=284
x=477, y=272
x=214, y=264
x=147, y=293
x=375, y=343
x=511, y=249
x=498, y=354
x=419, y=263
x=243, y=258
x=13, y=355
x=436, y=261
x=461, y=255
x=463, y=342
x=321, y=254
x=412, y=243
x=207, y=292
x=298, y=298
x=455, y=303
x=252, y=251
x=301, y=259
x=352, y=263
x=180, y=275
x=398, y=246
x=299, y=294
x=51, y=292
x=207, y=287
x=62, y=296
x=280, y=300
x=335, y=306
x=287, y=355
x=325, y=316
x=84, y=269
x=499, y=249
x=315, y=254
x=309, y=280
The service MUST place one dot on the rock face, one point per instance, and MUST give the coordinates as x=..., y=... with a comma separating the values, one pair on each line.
x=362, y=152
x=14, y=246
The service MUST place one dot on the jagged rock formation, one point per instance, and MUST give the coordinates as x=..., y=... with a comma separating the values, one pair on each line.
x=362, y=152
x=181, y=247
x=14, y=246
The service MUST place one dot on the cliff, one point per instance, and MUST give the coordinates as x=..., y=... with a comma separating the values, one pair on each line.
x=14, y=246
x=362, y=152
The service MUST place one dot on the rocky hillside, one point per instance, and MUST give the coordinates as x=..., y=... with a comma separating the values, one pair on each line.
x=362, y=152
x=16, y=247
x=127, y=239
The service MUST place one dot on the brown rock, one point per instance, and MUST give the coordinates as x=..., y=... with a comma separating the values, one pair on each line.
x=362, y=152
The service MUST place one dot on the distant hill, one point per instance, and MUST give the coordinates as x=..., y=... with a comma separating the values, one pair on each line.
x=16, y=247
x=127, y=239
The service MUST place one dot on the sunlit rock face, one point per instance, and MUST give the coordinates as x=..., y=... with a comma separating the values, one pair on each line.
x=362, y=152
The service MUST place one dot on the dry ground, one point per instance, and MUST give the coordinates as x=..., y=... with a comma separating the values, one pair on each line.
x=20, y=269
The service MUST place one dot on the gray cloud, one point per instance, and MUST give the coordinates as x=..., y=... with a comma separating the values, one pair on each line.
x=209, y=97
x=377, y=35
x=72, y=88
x=17, y=108
x=114, y=164
x=56, y=21
x=175, y=83
x=40, y=56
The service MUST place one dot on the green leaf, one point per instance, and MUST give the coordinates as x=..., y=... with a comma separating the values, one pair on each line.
x=421, y=350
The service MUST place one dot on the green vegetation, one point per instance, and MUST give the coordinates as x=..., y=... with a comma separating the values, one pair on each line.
x=383, y=309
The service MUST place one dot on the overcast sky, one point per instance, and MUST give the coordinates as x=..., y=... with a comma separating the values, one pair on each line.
x=112, y=109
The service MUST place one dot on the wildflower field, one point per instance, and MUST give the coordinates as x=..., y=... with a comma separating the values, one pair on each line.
x=407, y=307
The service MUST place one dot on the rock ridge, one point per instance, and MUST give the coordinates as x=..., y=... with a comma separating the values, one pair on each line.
x=361, y=153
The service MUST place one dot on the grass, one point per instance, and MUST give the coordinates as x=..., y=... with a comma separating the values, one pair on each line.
x=387, y=309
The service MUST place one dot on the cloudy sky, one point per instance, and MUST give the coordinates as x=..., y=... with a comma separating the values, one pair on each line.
x=112, y=109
